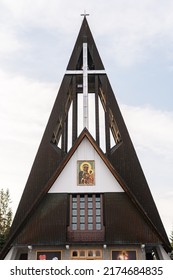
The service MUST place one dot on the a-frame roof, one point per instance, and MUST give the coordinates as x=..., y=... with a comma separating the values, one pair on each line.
x=50, y=158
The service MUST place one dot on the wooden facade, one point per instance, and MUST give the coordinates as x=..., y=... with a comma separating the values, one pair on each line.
x=110, y=212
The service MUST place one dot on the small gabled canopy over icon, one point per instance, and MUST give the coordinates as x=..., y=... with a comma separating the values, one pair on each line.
x=86, y=106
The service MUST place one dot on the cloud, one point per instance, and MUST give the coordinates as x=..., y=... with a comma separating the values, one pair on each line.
x=34, y=97
x=41, y=14
x=24, y=111
x=9, y=42
x=134, y=29
x=152, y=129
x=165, y=209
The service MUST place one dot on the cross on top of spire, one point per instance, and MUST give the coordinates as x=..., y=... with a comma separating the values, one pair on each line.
x=85, y=14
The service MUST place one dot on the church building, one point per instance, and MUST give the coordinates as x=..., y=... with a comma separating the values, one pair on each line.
x=86, y=196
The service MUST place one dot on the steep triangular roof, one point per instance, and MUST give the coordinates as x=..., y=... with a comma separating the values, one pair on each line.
x=54, y=149
x=85, y=35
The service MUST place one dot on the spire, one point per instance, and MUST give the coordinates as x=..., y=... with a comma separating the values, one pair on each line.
x=85, y=66
x=87, y=72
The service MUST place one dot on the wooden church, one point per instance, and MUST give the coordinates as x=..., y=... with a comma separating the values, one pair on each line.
x=86, y=196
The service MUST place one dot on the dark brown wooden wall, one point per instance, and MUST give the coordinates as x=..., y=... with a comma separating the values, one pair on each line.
x=124, y=223
x=48, y=224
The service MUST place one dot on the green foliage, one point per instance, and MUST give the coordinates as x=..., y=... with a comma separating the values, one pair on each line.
x=171, y=239
x=5, y=216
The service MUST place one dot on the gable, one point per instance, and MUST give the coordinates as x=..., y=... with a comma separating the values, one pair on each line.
x=67, y=181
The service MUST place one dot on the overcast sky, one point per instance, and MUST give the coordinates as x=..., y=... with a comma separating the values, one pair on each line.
x=135, y=42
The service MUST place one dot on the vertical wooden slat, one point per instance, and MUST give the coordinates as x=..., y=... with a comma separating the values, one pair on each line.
x=97, y=110
x=94, y=211
x=86, y=212
x=65, y=135
x=101, y=211
x=78, y=212
x=74, y=113
x=107, y=129
x=70, y=211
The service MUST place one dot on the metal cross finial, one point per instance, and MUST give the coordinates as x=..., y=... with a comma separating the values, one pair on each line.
x=85, y=14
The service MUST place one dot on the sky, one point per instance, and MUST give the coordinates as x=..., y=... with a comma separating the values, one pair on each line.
x=135, y=42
